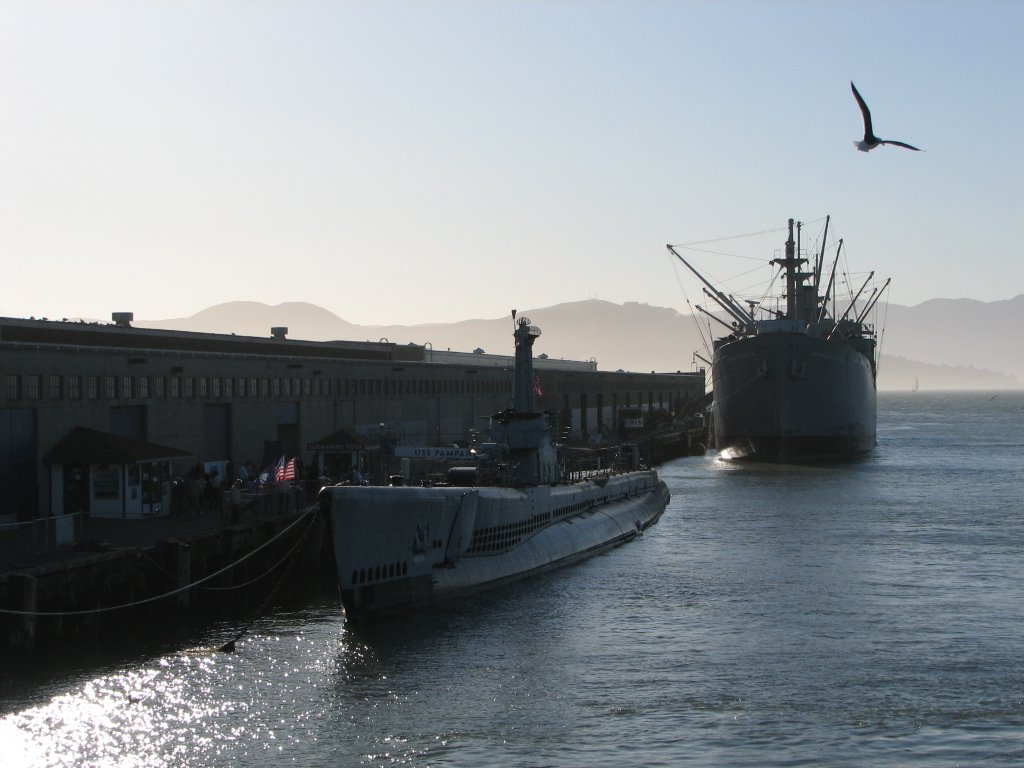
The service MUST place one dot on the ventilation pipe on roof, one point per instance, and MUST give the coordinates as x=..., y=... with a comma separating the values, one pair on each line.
x=279, y=332
x=122, y=319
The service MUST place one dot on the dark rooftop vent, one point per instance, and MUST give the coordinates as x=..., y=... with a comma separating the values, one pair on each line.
x=123, y=319
x=279, y=332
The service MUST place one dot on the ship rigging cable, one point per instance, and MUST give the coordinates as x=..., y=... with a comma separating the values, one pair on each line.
x=738, y=237
x=729, y=237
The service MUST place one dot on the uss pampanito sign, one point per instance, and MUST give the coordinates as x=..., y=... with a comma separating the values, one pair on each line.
x=439, y=454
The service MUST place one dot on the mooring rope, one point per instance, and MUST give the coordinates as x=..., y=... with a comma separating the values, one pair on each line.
x=309, y=511
x=229, y=646
x=272, y=568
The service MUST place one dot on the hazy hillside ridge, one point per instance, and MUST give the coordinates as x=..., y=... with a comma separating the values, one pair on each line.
x=942, y=343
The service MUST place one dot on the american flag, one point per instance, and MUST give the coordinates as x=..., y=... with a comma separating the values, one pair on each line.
x=285, y=471
x=536, y=386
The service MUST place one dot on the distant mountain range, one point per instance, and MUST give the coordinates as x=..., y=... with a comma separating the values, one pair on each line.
x=941, y=344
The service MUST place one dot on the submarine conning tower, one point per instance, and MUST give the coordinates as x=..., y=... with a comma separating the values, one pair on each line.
x=521, y=435
x=525, y=335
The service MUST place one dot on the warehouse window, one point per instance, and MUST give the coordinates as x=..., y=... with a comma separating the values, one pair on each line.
x=33, y=387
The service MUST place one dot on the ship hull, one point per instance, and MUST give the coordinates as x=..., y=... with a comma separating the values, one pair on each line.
x=401, y=548
x=789, y=397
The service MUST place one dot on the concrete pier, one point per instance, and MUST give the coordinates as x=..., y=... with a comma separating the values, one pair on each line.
x=60, y=594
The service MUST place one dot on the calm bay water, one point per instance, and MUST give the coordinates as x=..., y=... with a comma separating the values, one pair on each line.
x=855, y=615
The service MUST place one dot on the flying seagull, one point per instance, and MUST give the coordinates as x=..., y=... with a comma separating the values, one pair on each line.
x=870, y=141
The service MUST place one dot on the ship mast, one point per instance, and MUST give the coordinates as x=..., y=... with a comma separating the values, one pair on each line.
x=746, y=323
x=874, y=299
x=819, y=261
x=793, y=277
x=823, y=309
x=853, y=303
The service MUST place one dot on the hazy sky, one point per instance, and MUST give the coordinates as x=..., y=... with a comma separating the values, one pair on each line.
x=431, y=161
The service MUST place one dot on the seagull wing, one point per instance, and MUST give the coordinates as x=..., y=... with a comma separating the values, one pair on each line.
x=869, y=134
x=898, y=144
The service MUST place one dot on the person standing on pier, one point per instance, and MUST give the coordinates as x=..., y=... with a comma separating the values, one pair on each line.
x=236, y=500
x=194, y=491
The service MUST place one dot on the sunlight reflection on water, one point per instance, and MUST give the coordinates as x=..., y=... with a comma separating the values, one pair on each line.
x=186, y=708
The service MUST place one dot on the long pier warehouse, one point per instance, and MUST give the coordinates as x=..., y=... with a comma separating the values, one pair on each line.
x=99, y=419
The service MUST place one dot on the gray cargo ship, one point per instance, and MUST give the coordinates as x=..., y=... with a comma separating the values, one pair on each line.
x=795, y=384
x=517, y=511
